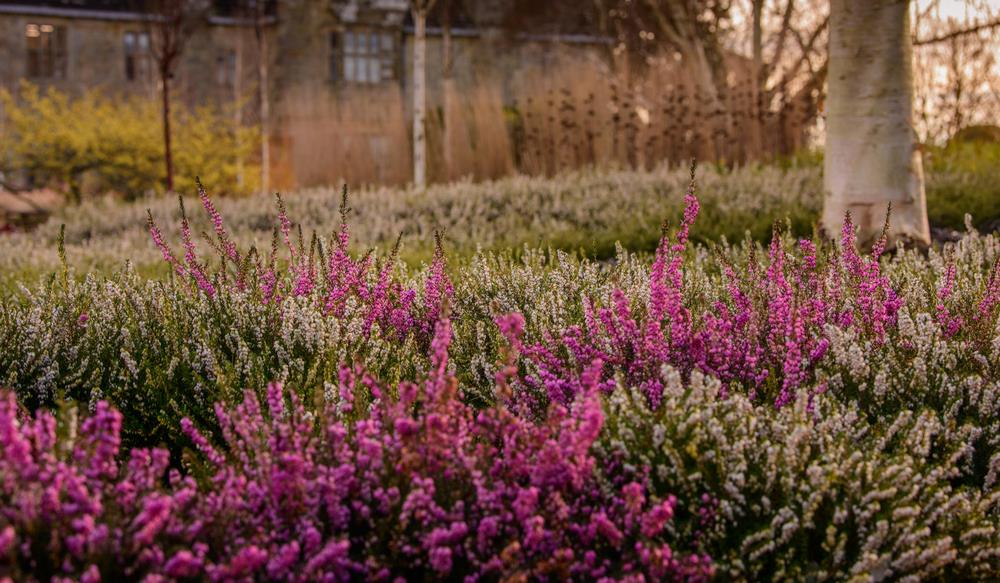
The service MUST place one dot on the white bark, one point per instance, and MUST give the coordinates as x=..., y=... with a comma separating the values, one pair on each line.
x=265, y=117
x=871, y=153
x=757, y=82
x=238, y=107
x=447, y=93
x=419, y=97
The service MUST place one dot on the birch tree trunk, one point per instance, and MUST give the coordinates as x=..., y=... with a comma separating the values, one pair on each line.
x=871, y=153
x=265, y=105
x=448, y=89
x=757, y=83
x=419, y=96
x=238, y=107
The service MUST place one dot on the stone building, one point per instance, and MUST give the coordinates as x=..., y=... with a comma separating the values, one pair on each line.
x=323, y=54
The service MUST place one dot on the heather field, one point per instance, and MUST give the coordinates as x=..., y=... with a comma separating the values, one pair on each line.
x=257, y=395
x=583, y=212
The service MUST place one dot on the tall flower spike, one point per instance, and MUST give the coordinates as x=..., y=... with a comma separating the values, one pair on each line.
x=284, y=224
x=438, y=288
x=343, y=236
x=991, y=296
x=191, y=256
x=228, y=246
x=168, y=255
x=879, y=246
x=950, y=325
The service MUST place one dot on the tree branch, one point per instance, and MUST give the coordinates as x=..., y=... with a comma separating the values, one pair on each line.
x=957, y=33
x=669, y=29
x=807, y=50
x=786, y=25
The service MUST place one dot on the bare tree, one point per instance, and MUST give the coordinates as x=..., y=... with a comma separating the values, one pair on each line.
x=757, y=80
x=955, y=66
x=973, y=29
x=786, y=71
x=170, y=24
x=419, y=9
x=447, y=10
x=260, y=13
x=872, y=158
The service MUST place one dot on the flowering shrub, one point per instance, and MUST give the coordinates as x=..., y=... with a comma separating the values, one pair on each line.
x=386, y=301
x=766, y=336
x=97, y=142
x=587, y=211
x=809, y=493
x=160, y=351
x=799, y=411
x=417, y=486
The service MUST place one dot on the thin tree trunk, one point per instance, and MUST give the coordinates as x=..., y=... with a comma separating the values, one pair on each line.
x=872, y=158
x=757, y=82
x=448, y=91
x=716, y=111
x=265, y=113
x=419, y=97
x=238, y=107
x=168, y=155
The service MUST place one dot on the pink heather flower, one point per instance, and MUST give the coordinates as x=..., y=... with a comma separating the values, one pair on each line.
x=304, y=279
x=950, y=324
x=437, y=289
x=991, y=296
x=184, y=564
x=773, y=320
x=526, y=503
x=245, y=563
x=91, y=575
x=441, y=559
x=201, y=442
x=284, y=561
x=655, y=520
x=390, y=304
x=228, y=247
x=269, y=286
x=191, y=258
x=7, y=539
x=152, y=518
x=168, y=255
x=511, y=327
x=298, y=496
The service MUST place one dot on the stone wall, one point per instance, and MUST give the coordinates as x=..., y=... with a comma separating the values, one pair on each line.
x=95, y=58
x=309, y=105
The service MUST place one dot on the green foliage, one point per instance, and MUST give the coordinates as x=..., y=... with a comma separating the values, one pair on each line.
x=100, y=143
x=885, y=467
x=793, y=495
x=964, y=178
x=585, y=212
x=160, y=353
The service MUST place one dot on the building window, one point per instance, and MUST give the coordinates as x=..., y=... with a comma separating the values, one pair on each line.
x=225, y=70
x=363, y=56
x=137, y=62
x=46, y=45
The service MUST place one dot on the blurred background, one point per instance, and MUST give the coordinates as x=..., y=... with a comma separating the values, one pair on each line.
x=130, y=98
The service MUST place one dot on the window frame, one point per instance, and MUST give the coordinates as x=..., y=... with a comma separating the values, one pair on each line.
x=46, y=50
x=138, y=57
x=364, y=56
x=226, y=69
